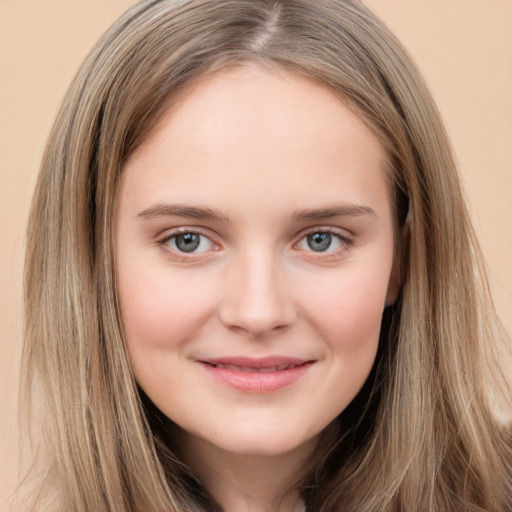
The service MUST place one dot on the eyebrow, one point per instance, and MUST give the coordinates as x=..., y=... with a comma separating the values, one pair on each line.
x=340, y=210
x=182, y=210
x=206, y=213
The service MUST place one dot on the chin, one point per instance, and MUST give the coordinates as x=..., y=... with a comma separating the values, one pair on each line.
x=256, y=443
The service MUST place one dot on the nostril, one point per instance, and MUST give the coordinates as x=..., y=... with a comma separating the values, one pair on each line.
x=255, y=329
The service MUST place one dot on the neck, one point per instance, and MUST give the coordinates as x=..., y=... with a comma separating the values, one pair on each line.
x=249, y=483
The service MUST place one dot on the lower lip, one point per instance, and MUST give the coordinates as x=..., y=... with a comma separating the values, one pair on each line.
x=258, y=382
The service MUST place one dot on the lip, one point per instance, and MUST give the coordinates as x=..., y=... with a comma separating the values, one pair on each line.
x=257, y=375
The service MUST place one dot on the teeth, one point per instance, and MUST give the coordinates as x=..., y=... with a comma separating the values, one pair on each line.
x=269, y=369
x=230, y=367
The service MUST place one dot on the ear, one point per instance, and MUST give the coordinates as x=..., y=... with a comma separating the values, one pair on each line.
x=400, y=262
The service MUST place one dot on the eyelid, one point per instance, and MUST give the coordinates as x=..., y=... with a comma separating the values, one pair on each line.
x=343, y=234
x=346, y=241
x=173, y=233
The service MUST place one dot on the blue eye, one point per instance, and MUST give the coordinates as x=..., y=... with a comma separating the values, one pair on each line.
x=322, y=241
x=189, y=242
x=319, y=242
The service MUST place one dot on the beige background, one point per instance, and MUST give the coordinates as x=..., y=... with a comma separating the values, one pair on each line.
x=464, y=48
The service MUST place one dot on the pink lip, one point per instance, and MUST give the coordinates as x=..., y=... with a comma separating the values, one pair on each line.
x=262, y=375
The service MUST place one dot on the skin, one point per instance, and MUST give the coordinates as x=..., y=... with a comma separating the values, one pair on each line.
x=263, y=150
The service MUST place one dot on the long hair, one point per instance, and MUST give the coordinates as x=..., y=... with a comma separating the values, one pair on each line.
x=422, y=434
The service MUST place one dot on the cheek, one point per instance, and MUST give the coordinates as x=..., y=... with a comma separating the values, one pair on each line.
x=161, y=308
x=349, y=309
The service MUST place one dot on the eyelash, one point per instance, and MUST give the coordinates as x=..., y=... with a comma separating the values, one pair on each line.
x=345, y=243
x=183, y=231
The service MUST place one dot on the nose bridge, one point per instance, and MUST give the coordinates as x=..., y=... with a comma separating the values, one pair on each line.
x=257, y=299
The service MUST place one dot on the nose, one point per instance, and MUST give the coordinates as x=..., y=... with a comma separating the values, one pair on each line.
x=257, y=299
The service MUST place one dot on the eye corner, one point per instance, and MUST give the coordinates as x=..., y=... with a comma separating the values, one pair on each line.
x=188, y=244
x=331, y=243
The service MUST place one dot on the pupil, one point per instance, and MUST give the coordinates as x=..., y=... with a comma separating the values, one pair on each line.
x=187, y=242
x=319, y=241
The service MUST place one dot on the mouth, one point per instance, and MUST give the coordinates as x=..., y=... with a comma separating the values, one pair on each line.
x=264, y=375
x=251, y=369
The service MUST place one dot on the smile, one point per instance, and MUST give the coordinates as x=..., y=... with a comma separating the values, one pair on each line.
x=257, y=375
x=252, y=369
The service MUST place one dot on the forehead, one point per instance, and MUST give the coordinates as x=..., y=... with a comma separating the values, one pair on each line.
x=259, y=129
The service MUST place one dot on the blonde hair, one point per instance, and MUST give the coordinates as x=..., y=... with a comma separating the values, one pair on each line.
x=421, y=435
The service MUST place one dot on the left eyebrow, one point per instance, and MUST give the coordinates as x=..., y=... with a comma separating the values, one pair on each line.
x=341, y=210
x=183, y=210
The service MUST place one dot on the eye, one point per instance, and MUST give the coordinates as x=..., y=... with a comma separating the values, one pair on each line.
x=319, y=242
x=323, y=241
x=188, y=242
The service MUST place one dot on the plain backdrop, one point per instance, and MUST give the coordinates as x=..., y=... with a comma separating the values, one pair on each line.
x=464, y=48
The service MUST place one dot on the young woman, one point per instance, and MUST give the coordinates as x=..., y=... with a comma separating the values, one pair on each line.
x=251, y=279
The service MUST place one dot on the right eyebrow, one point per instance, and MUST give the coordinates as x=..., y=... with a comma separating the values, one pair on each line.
x=181, y=210
x=338, y=210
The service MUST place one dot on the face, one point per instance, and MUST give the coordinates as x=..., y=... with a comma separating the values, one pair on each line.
x=254, y=251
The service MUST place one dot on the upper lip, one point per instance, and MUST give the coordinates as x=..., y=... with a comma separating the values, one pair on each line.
x=259, y=363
